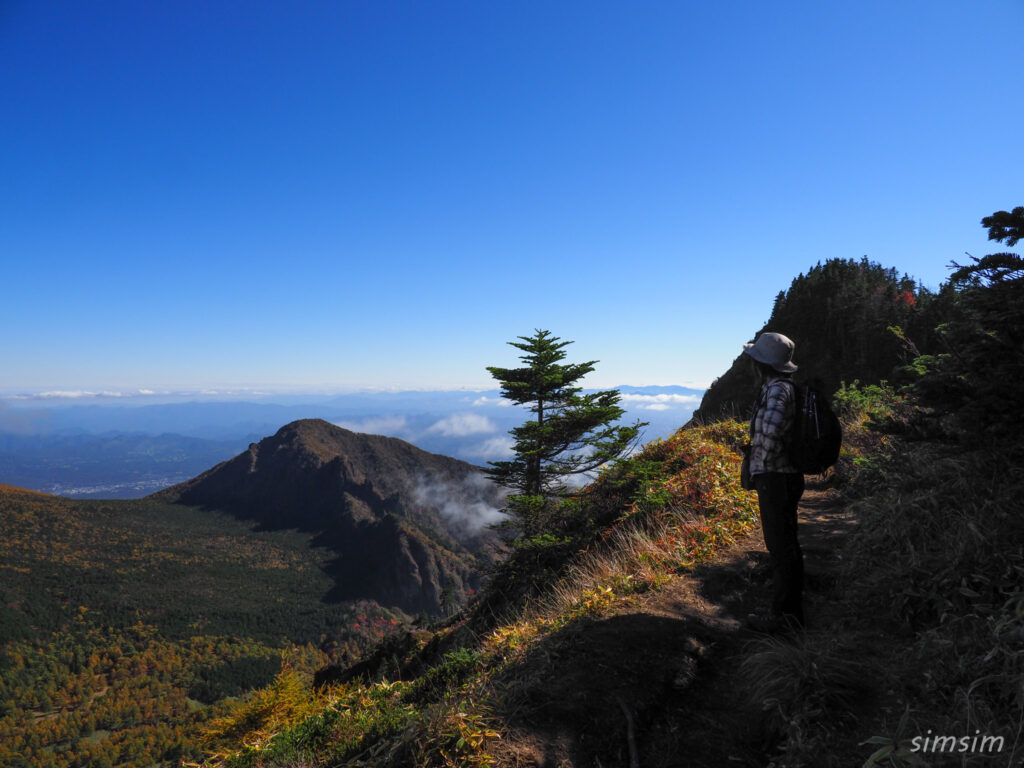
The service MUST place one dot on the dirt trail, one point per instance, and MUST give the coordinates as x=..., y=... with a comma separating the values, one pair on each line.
x=672, y=661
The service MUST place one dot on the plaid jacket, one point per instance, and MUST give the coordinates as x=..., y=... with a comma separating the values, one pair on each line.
x=772, y=419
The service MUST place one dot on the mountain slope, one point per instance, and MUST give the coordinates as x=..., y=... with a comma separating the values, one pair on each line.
x=840, y=315
x=602, y=643
x=406, y=525
x=123, y=623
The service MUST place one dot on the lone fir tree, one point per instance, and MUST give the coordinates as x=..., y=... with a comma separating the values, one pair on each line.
x=570, y=434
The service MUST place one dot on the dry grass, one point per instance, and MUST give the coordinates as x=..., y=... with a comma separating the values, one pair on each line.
x=686, y=507
x=808, y=686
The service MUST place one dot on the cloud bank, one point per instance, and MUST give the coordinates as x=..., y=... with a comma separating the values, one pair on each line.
x=501, y=401
x=463, y=424
x=467, y=506
x=662, y=402
x=494, y=448
x=380, y=425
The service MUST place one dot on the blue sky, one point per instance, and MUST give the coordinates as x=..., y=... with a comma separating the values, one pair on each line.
x=344, y=195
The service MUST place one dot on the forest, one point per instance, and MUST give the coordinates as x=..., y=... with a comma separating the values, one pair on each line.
x=124, y=623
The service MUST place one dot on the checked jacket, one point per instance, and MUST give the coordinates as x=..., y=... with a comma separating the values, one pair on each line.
x=772, y=419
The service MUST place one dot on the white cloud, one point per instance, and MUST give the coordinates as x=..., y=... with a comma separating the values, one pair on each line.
x=665, y=399
x=493, y=449
x=463, y=424
x=654, y=407
x=500, y=401
x=82, y=394
x=384, y=425
x=75, y=394
x=64, y=394
x=467, y=506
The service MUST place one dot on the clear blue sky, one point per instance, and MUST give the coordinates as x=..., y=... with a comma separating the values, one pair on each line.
x=377, y=194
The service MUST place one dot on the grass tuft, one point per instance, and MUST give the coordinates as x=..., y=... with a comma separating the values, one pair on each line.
x=807, y=685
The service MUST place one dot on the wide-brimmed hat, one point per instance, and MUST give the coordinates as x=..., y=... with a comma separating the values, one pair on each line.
x=773, y=349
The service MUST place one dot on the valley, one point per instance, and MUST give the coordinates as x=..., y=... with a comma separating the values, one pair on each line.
x=123, y=622
x=127, y=624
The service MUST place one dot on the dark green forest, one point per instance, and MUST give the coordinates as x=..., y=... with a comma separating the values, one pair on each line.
x=124, y=623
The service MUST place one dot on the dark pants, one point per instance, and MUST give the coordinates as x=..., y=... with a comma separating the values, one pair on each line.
x=778, y=494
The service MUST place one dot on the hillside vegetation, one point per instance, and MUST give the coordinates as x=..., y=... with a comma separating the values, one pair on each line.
x=851, y=320
x=447, y=695
x=563, y=661
x=124, y=623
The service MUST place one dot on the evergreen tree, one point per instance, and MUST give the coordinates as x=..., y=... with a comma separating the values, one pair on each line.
x=974, y=389
x=571, y=433
x=850, y=319
x=1006, y=225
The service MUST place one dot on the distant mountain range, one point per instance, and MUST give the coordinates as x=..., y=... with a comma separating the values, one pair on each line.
x=408, y=526
x=126, y=447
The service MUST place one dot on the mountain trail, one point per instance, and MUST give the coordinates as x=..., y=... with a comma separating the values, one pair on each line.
x=658, y=684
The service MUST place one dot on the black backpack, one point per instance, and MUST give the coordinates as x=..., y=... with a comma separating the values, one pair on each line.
x=816, y=436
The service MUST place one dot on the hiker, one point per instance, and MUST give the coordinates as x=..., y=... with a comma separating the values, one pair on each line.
x=778, y=483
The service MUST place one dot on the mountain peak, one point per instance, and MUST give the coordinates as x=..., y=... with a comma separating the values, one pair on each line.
x=405, y=523
x=317, y=435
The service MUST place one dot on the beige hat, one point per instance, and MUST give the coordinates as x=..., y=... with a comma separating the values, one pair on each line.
x=773, y=349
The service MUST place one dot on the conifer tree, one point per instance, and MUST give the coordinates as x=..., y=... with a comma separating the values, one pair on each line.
x=570, y=434
x=1006, y=225
x=974, y=388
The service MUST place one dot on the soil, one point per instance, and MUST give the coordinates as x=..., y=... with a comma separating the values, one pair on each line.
x=659, y=686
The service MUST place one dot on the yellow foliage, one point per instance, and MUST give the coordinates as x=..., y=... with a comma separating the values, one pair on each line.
x=284, y=703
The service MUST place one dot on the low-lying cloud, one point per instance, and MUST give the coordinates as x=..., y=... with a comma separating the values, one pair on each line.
x=501, y=401
x=379, y=425
x=466, y=506
x=75, y=394
x=84, y=395
x=492, y=449
x=662, y=402
x=463, y=424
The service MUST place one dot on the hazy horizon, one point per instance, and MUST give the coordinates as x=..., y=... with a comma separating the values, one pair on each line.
x=113, y=395
x=105, y=446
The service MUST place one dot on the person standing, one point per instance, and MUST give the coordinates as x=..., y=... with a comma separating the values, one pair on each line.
x=778, y=483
